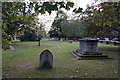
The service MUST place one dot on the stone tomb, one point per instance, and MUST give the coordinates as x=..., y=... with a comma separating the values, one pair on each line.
x=88, y=50
x=46, y=60
x=89, y=46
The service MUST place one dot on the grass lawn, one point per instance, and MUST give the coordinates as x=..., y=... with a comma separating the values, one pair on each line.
x=23, y=62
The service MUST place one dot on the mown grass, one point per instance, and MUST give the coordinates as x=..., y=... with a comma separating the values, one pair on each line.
x=23, y=62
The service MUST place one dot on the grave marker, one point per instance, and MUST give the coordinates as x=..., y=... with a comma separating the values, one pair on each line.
x=88, y=50
x=46, y=59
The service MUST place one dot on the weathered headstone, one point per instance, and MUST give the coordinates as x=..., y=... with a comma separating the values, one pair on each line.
x=61, y=39
x=46, y=59
x=89, y=46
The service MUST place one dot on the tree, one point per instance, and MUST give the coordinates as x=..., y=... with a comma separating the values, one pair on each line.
x=15, y=21
x=100, y=20
x=56, y=30
x=83, y=27
x=18, y=17
x=40, y=33
x=106, y=17
x=71, y=28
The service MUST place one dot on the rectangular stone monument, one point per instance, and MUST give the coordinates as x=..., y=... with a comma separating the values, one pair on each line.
x=89, y=46
x=88, y=50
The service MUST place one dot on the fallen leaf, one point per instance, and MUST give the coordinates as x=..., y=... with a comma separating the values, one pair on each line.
x=75, y=76
x=85, y=73
x=29, y=77
x=71, y=76
x=76, y=71
x=115, y=71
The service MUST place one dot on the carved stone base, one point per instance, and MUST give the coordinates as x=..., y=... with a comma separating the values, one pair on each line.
x=80, y=55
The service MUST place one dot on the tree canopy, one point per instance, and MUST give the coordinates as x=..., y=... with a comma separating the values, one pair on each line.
x=19, y=17
x=96, y=21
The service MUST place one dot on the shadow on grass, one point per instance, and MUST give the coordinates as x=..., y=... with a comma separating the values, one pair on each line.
x=44, y=69
x=99, y=59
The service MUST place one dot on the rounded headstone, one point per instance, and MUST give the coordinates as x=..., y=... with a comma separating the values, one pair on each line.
x=46, y=59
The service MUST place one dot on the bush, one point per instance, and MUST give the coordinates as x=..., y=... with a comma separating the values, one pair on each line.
x=28, y=36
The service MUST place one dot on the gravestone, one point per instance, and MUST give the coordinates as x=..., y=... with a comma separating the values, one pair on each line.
x=46, y=60
x=61, y=39
x=88, y=50
x=89, y=46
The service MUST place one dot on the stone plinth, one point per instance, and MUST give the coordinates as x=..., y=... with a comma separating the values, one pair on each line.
x=89, y=46
x=88, y=50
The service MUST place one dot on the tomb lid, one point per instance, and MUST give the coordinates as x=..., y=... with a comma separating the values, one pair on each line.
x=89, y=39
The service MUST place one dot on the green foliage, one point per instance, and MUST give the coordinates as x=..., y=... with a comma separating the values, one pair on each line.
x=79, y=28
x=110, y=13
x=19, y=17
x=88, y=28
x=52, y=6
x=106, y=17
x=83, y=27
x=56, y=30
x=15, y=20
x=100, y=20
x=6, y=40
x=29, y=36
x=79, y=10
x=68, y=5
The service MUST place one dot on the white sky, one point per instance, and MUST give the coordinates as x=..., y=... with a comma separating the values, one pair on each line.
x=48, y=19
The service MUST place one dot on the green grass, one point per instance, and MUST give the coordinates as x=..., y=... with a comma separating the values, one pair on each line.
x=23, y=62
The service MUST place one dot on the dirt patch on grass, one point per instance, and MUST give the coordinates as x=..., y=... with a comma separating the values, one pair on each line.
x=24, y=66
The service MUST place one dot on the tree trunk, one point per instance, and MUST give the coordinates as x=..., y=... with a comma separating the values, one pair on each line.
x=65, y=38
x=59, y=38
x=73, y=38
x=39, y=42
